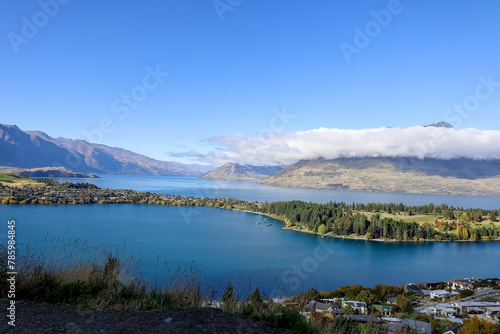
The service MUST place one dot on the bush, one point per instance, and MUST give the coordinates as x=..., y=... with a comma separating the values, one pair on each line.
x=466, y=293
x=290, y=319
x=69, y=293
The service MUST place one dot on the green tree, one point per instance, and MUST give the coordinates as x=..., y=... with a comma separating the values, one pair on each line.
x=228, y=298
x=322, y=229
x=404, y=304
x=367, y=296
x=255, y=299
x=348, y=310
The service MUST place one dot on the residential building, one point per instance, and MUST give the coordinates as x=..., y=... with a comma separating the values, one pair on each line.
x=441, y=294
x=418, y=326
x=360, y=307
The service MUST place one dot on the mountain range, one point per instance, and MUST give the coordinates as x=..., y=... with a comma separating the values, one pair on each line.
x=459, y=176
x=32, y=149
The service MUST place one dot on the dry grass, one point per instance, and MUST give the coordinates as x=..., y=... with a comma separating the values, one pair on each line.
x=89, y=277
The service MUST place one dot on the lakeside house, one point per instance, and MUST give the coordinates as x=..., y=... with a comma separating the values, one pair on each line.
x=360, y=307
x=411, y=287
x=329, y=306
x=461, y=284
x=445, y=310
x=453, y=310
x=470, y=308
x=441, y=294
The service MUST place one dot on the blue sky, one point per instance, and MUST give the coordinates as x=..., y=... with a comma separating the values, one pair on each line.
x=231, y=68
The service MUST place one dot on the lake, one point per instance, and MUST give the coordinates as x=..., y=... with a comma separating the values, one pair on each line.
x=231, y=247
x=251, y=191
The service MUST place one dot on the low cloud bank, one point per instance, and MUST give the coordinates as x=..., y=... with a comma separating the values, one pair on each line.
x=282, y=148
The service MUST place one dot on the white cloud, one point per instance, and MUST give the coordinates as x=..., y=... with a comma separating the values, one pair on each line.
x=284, y=148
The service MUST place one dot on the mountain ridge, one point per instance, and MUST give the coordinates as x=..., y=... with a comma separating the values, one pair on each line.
x=34, y=149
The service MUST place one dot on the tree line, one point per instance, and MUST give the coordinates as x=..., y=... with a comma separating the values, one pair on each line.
x=341, y=219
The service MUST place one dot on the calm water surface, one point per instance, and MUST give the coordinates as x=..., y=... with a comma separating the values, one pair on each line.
x=230, y=246
x=251, y=191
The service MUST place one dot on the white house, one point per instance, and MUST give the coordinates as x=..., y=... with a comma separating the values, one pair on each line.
x=441, y=294
x=358, y=306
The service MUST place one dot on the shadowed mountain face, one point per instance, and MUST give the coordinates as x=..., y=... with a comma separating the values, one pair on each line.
x=238, y=172
x=31, y=149
x=435, y=176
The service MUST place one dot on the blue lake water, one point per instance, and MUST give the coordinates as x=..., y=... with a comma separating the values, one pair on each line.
x=251, y=191
x=231, y=247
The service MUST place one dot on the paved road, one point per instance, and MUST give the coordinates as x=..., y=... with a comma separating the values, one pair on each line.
x=483, y=293
x=476, y=297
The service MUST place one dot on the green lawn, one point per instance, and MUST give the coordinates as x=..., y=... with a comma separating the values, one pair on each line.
x=9, y=177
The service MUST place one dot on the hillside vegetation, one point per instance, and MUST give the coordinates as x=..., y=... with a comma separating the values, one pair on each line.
x=239, y=172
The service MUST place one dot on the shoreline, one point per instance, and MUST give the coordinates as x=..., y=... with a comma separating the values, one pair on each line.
x=90, y=194
x=350, y=237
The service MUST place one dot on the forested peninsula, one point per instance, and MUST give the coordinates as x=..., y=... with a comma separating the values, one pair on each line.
x=372, y=221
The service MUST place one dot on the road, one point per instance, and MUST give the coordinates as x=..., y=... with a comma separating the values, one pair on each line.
x=482, y=293
x=476, y=297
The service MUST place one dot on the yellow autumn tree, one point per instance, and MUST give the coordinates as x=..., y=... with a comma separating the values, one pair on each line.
x=322, y=229
x=462, y=233
x=477, y=326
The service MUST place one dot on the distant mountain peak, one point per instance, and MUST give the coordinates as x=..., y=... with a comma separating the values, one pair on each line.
x=241, y=172
x=441, y=124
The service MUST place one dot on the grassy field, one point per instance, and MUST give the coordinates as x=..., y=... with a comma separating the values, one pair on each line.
x=422, y=219
x=16, y=181
x=413, y=218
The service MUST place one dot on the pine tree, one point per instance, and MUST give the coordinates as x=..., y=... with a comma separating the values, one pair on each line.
x=255, y=299
x=228, y=298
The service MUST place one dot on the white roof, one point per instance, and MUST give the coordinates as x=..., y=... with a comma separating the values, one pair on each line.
x=446, y=309
x=455, y=320
x=469, y=304
x=493, y=309
x=440, y=292
x=447, y=305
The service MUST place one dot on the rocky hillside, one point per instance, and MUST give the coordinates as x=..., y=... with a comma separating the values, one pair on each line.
x=410, y=175
x=32, y=149
x=238, y=172
x=51, y=318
